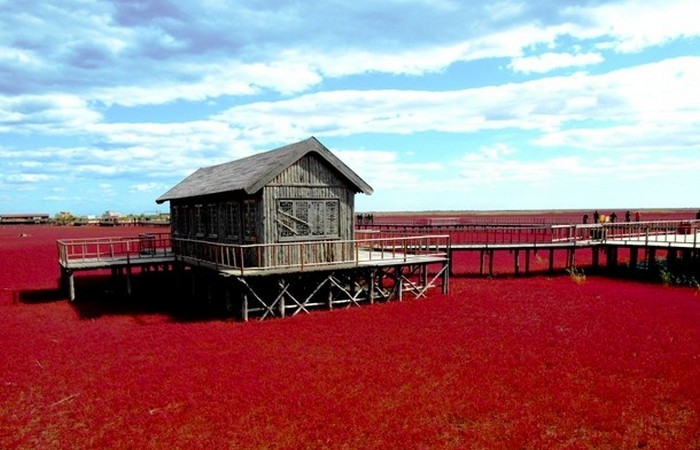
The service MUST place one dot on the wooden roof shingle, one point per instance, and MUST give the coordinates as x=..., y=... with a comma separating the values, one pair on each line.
x=252, y=173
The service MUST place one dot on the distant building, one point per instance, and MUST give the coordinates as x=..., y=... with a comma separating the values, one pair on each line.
x=24, y=218
x=110, y=218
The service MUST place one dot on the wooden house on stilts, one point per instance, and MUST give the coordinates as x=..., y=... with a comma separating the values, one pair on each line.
x=270, y=235
x=274, y=234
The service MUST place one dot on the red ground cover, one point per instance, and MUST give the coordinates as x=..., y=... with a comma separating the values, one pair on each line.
x=538, y=362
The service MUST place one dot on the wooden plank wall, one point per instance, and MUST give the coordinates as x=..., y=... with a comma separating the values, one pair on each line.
x=310, y=178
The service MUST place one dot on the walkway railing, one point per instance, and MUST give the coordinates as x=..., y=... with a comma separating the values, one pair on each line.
x=148, y=245
x=676, y=231
x=301, y=256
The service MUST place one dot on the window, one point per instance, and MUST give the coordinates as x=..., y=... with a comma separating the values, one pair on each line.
x=175, y=219
x=250, y=218
x=182, y=220
x=198, y=221
x=308, y=219
x=232, y=221
x=212, y=220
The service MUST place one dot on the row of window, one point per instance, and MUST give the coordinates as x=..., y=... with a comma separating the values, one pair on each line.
x=228, y=221
x=236, y=221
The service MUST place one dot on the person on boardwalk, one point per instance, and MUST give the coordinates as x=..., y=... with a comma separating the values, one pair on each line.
x=596, y=217
x=628, y=216
x=585, y=218
x=697, y=216
x=613, y=217
x=637, y=216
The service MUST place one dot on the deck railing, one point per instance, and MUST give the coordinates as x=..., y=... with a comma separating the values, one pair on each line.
x=677, y=231
x=147, y=245
x=300, y=256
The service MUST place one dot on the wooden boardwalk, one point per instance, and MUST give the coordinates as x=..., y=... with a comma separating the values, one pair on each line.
x=118, y=254
x=524, y=241
x=381, y=265
x=377, y=268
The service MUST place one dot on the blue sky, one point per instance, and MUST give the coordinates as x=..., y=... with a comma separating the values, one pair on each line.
x=438, y=104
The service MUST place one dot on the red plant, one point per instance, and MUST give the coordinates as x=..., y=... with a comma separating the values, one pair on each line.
x=538, y=362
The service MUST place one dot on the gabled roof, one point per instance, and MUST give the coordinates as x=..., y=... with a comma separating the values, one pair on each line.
x=252, y=173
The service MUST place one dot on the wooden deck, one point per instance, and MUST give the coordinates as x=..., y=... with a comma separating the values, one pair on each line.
x=254, y=260
x=313, y=256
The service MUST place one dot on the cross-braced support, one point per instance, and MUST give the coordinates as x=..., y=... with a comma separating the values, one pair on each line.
x=290, y=294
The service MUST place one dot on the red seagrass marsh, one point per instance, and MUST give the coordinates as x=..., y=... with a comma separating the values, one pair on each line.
x=505, y=362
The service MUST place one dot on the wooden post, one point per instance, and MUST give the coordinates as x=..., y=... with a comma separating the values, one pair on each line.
x=128, y=276
x=370, y=274
x=490, y=263
x=228, y=302
x=281, y=298
x=634, y=258
x=596, y=256
x=516, y=258
x=671, y=259
x=612, y=258
x=244, y=307
x=651, y=258
x=527, y=261
x=551, y=260
x=71, y=285
x=449, y=259
x=446, y=282
x=399, y=281
x=481, y=262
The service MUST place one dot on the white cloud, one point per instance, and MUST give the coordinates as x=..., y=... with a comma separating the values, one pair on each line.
x=547, y=62
x=664, y=92
x=149, y=187
x=54, y=113
x=634, y=25
x=28, y=178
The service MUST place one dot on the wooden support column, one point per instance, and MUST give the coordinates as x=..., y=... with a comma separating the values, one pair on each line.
x=671, y=258
x=228, y=301
x=687, y=256
x=71, y=285
x=490, y=263
x=128, y=279
x=399, y=281
x=370, y=278
x=551, y=260
x=329, y=291
x=281, y=297
x=651, y=258
x=571, y=257
x=244, y=307
x=449, y=260
x=595, y=253
x=634, y=258
x=482, y=254
x=193, y=284
x=446, y=281
x=516, y=258
x=612, y=258
x=527, y=261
